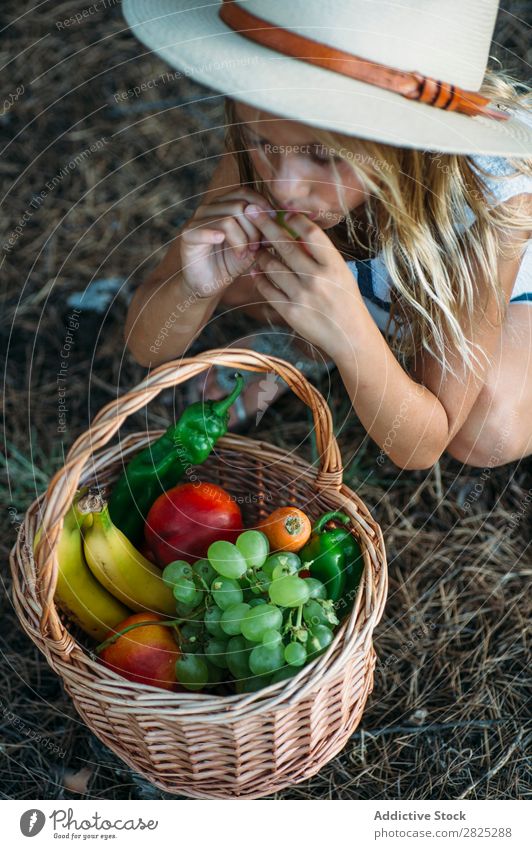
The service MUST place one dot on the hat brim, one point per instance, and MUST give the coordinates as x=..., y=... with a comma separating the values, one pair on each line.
x=195, y=41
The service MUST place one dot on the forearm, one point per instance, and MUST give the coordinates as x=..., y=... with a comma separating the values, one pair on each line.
x=164, y=318
x=404, y=418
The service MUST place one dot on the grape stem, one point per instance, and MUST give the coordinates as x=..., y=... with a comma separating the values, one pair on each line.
x=204, y=582
x=289, y=625
x=299, y=616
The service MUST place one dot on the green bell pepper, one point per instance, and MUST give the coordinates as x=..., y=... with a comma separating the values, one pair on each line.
x=164, y=463
x=333, y=556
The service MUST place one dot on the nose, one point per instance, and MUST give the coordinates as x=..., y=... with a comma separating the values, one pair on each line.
x=290, y=185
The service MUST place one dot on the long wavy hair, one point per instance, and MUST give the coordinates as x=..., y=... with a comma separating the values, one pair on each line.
x=443, y=272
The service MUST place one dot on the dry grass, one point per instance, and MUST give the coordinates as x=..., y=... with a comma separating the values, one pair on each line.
x=448, y=715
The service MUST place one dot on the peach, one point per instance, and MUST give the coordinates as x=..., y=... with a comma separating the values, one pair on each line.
x=146, y=654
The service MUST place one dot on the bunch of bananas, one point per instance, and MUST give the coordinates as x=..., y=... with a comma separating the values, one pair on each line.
x=101, y=575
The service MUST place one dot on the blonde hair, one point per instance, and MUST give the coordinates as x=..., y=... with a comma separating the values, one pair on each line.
x=442, y=277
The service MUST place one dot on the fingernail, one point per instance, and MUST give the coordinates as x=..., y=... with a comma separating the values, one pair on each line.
x=252, y=211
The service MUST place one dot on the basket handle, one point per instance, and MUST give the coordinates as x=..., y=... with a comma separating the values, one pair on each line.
x=62, y=488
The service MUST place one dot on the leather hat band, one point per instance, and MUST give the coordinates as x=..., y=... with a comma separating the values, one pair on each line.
x=410, y=84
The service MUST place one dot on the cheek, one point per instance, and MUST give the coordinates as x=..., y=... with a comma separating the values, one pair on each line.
x=353, y=186
x=344, y=184
x=350, y=189
x=261, y=164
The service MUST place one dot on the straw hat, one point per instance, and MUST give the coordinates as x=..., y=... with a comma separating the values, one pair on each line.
x=402, y=72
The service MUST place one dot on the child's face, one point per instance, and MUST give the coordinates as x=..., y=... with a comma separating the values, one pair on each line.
x=286, y=156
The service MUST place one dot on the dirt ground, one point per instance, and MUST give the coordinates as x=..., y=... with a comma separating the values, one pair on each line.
x=449, y=712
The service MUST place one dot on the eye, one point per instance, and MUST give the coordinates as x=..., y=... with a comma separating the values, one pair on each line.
x=323, y=160
x=320, y=160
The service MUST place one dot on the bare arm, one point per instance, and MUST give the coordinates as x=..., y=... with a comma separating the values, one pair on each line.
x=414, y=422
x=163, y=318
x=165, y=315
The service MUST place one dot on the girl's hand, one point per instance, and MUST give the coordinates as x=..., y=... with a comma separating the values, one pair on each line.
x=219, y=243
x=311, y=285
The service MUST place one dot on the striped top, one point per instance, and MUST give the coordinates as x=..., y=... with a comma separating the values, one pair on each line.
x=374, y=280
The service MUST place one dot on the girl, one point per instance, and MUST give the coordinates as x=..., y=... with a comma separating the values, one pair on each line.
x=413, y=268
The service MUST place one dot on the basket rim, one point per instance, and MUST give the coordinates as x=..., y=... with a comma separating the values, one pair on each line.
x=350, y=638
x=108, y=420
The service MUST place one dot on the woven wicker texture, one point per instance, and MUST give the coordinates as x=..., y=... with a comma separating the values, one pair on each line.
x=200, y=745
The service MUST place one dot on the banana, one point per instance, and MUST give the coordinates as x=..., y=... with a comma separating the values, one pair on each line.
x=119, y=567
x=78, y=593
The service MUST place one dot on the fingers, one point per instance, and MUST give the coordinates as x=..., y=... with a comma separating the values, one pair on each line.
x=245, y=195
x=275, y=272
x=315, y=239
x=202, y=236
x=235, y=236
x=215, y=213
x=233, y=204
x=275, y=297
x=317, y=243
x=226, y=245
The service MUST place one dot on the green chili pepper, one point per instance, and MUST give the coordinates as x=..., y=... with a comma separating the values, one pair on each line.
x=164, y=463
x=282, y=223
x=279, y=218
x=333, y=556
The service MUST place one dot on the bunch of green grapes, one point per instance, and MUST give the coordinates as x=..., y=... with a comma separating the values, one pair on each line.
x=248, y=616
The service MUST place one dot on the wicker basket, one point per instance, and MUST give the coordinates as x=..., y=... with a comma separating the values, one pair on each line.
x=198, y=745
